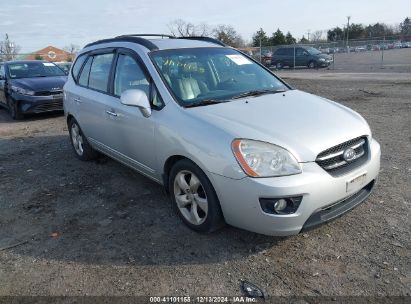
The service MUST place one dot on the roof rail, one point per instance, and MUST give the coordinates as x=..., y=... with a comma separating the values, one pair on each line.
x=147, y=35
x=137, y=38
x=144, y=42
x=207, y=39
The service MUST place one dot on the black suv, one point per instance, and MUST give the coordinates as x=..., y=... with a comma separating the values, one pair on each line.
x=31, y=86
x=304, y=56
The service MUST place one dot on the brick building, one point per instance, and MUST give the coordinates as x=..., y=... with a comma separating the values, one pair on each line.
x=50, y=53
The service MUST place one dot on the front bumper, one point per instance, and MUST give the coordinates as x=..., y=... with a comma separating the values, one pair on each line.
x=240, y=204
x=38, y=104
x=324, y=64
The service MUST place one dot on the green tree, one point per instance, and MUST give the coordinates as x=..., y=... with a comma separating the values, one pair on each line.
x=304, y=40
x=228, y=35
x=260, y=35
x=377, y=30
x=335, y=34
x=38, y=57
x=278, y=38
x=357, y=31
x=290, y=39
x=405, y=27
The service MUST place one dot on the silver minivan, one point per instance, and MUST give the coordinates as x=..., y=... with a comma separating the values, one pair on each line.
x=230, y=141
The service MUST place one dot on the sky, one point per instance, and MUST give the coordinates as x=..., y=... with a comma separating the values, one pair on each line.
x=34, y=24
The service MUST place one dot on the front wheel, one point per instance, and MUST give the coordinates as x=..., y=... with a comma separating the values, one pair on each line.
x=194, y=198
x=312, y=65
x=81, y=146
x=14, y=109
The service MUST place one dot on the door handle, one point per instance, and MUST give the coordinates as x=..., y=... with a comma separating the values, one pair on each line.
x=77, y=100
x=112, y=113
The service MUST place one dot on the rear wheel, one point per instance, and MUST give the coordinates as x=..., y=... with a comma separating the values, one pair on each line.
x=14, y=109
x=194, y=198
x=81, y=146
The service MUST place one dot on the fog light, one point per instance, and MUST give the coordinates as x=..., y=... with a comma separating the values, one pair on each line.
x=286, y=205
x=280, y=205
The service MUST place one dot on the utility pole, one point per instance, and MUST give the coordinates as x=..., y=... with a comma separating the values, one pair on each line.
x=348, y=32
x=308, y=35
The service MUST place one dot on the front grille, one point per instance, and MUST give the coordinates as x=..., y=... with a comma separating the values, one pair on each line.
x=50, y=106
x=48, y=93
x=332, y=160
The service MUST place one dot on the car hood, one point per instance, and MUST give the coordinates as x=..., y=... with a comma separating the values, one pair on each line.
x=36, y=84
x=302, y=123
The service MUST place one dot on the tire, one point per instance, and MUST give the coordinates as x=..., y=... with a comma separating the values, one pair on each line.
x=312, y=65
x=14, y=109
x=81, y=147
x=278, y=66
x=197, y=204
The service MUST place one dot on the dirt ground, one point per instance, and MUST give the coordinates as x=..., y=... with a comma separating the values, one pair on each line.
x=99, y=228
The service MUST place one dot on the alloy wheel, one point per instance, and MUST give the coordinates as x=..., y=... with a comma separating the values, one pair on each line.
x=190, y=197
x=77, y=139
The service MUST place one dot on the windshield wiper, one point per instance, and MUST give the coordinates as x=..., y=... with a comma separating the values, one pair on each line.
x=204, y=102
x=257, y=93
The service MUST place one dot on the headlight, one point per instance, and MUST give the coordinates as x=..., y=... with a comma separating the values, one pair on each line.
x=321, y=59
x=260, y=159
x=22, y=91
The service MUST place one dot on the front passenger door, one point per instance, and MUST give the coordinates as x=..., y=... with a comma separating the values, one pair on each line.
x=131, y=134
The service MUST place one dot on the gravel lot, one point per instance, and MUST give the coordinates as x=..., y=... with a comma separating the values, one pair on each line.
x=99, y=228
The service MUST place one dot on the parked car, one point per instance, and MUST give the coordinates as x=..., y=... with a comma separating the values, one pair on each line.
x=31, y=87
x=64, y=65
x=230, y=141
x=406, y=44
x=359, y=49
x=304, y=56
x=397, y=45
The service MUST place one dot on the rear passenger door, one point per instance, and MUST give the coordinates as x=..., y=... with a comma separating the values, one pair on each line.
x=300, y=58
x=93, y=96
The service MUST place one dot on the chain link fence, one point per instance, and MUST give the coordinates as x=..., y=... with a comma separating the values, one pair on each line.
x=356, y=55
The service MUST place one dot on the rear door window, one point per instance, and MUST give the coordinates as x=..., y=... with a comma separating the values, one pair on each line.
x=290, y=52
x=100, y=72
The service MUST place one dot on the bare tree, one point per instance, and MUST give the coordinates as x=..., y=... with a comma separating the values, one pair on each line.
x=8, y=49
x=181, y=28
x=316, y=36
x=72, y=49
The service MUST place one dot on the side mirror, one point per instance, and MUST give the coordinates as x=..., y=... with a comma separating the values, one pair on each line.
x=137, y=98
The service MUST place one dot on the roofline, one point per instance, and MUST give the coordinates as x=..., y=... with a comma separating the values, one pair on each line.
x=137, y=38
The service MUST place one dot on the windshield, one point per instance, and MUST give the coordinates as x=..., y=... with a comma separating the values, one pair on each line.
x=313, y=51
x=34, y=69
x=218, y=74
